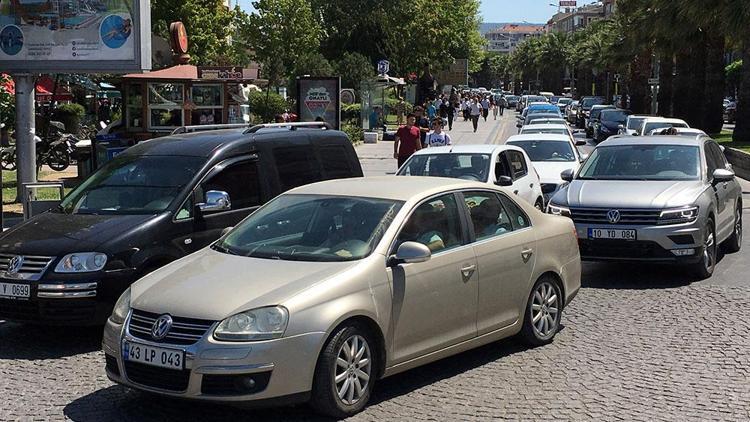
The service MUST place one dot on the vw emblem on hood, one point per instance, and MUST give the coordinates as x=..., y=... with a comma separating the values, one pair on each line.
x=14, y=264
x=613, y=216
x=161, y=327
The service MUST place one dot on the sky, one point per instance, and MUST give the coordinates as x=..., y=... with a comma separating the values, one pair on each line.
x=534, y=11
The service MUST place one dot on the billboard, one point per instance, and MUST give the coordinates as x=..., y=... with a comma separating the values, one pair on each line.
x=568, y=3
x=75, y=35
x=318, y=100
x=455, y=74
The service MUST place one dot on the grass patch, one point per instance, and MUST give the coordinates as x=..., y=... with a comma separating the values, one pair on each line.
x=10, y=184
x=725, y=139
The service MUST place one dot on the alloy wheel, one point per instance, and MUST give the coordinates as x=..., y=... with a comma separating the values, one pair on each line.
x=709, y=251
x=738, y=225
x=545, y=310
x=353, y=369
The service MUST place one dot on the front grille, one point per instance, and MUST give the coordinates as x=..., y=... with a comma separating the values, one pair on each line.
x=622, y=249
x=184, y=331
x=643, y=217
x=32, y=267
x=111, y=364
x=235, y=385
x=162, y=378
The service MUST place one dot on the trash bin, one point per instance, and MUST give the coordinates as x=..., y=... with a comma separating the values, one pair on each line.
x=83, y=158
x=107, y=147
x=371, y=137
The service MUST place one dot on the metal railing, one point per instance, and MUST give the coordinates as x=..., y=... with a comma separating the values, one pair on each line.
x=251, y=129
x=33, y=206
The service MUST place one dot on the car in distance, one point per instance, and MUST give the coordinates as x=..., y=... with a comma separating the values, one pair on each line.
x=667, y=199
x=584, y=109
x=551, y=155
x=563, y=102
x=512, y=100
x=152, y=204
x=334, y=285
x=679, y=131
x=571, y=112
x=593, y=118
x=550, y=128
x=609, y=123
x=501, y=165
x=652, y=123
x=633, y=124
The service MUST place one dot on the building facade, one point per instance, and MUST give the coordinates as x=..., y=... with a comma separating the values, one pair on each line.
x=505, y=39
x=572, y=20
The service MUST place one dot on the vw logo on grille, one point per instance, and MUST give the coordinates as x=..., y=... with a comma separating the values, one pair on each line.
x=613, y=216
x=161, y=327
x=15, y=264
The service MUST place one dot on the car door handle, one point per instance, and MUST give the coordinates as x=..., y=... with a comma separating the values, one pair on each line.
x=531, y=185
x=526, y=254
x=468, y=270
x=516, y=191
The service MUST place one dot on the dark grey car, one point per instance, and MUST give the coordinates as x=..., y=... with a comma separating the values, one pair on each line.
x=664, y=199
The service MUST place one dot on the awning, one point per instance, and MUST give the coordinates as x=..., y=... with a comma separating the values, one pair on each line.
x=390, y=80
x=44, y=87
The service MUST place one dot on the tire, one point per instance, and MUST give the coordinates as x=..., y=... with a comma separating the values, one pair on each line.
x=540, y=332
x=8, y=160
x=326, y=392
x=734, y=243
x=705, y=268
x=539, y=204
x=58, y=159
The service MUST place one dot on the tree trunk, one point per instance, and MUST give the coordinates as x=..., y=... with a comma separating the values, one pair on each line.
x=666, y=80
x=742, y=130
x=640, y=70
x=681, y=86
x=713, y=109
x=696, y=98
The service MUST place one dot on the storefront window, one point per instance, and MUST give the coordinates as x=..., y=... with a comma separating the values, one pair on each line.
x=209, y=104
x=165, y=103
x=134, y=107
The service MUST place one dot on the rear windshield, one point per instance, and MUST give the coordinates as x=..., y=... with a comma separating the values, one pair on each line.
x=456, y=166
x=618, y=116
x=587, y=103
x=635, y=123
x=547, y=150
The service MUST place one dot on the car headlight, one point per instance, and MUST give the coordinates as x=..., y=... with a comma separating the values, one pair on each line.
x=254, y=325
x=122, y=306
x=81, y=262
x=558, y=210
x=678, y=215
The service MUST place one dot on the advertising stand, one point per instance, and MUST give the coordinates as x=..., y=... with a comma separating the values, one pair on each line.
x=318, y=100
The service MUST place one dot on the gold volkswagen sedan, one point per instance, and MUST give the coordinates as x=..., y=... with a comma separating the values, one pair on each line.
x=334, y=285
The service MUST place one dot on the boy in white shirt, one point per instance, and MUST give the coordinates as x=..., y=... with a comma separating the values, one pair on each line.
x=438, y=138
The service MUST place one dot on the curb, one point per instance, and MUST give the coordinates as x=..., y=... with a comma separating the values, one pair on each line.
x=740, y=161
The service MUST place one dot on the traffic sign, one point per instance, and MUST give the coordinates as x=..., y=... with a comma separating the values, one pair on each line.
x=653, y=81
x=383, y=67
x=617, y=77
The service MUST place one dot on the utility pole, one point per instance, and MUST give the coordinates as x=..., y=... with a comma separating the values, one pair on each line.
x=25, y=131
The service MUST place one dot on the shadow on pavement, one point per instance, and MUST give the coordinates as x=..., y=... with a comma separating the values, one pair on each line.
x=31, y=342
x=636, y=275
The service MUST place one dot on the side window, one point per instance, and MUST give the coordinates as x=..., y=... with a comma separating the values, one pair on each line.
x=517, y=164
x=240, y=181
x=435, y=223
x=721, y=160
x=501, y=167
x=335, y=162
x=186, y=210
x=711, y=162
x=487, y=215
x=517, y=217
x=297, y=166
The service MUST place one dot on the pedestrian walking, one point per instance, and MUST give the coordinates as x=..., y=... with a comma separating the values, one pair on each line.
x=438, y=138
x=407, y=140
x=467, y=109
x=502, y=104
x=485, y=108
x=423, y=123
x=475, y=111
x=431, y=110
x=447, y=111
x=494, y=107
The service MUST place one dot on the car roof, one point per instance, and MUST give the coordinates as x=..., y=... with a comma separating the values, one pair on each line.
x=539, y=137
x=652, y=140
x=545, y=126
x=401, y=188
x=206, y=143
x=464, y=149
x=544, y=116
x=601, y=106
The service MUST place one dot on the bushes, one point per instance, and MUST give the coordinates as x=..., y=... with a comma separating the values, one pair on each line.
x=350, y=113
x=70, y=115
x=355, y=133
x=266, y=105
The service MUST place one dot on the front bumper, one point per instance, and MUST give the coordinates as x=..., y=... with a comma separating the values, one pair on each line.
x=652, y=244
x=76, y=299
x=279, y=368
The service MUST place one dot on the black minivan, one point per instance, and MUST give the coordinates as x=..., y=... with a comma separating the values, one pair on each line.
x=156, y=202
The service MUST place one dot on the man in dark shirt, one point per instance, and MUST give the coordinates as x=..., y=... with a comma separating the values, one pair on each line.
x=407, y=141
x=423, y=123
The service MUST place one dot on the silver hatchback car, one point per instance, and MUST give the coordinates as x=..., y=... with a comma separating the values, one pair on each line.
x=655, y=198
x=333, y=285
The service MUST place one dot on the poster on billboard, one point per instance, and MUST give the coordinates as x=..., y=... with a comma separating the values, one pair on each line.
x=456, y=74
x=318, y=100
x=75, y=35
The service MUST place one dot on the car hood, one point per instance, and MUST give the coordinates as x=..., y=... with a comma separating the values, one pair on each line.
x=56, y=233
x=549, y=172
x=212, y=285
x=631, y=194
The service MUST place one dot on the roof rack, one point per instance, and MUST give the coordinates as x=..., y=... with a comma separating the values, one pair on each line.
x=291, y=126
x=201, y=128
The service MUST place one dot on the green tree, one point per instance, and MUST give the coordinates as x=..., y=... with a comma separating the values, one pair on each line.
x=353, y=69
x=208, y=24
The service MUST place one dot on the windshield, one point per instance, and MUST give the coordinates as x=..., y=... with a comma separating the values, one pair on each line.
x=564, y=101
x=635, y=123
x=530, y=130
x=547, y=150
x=587, y=103
x=618, y=116
x=511, y=98
x=537, y=99
x=648, y=127
x=456, y=166
x=133, y=184
x=312, y=228
x=643, y=162
x=544, y=121
x=595, y=112
x=543, y=110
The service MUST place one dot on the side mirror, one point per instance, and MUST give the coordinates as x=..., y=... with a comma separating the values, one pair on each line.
x=411, y=253
x=723, y=175
x=580, y=143
x=504, y=181
x=567, y=175
x=620, y=127
x=216, y=200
